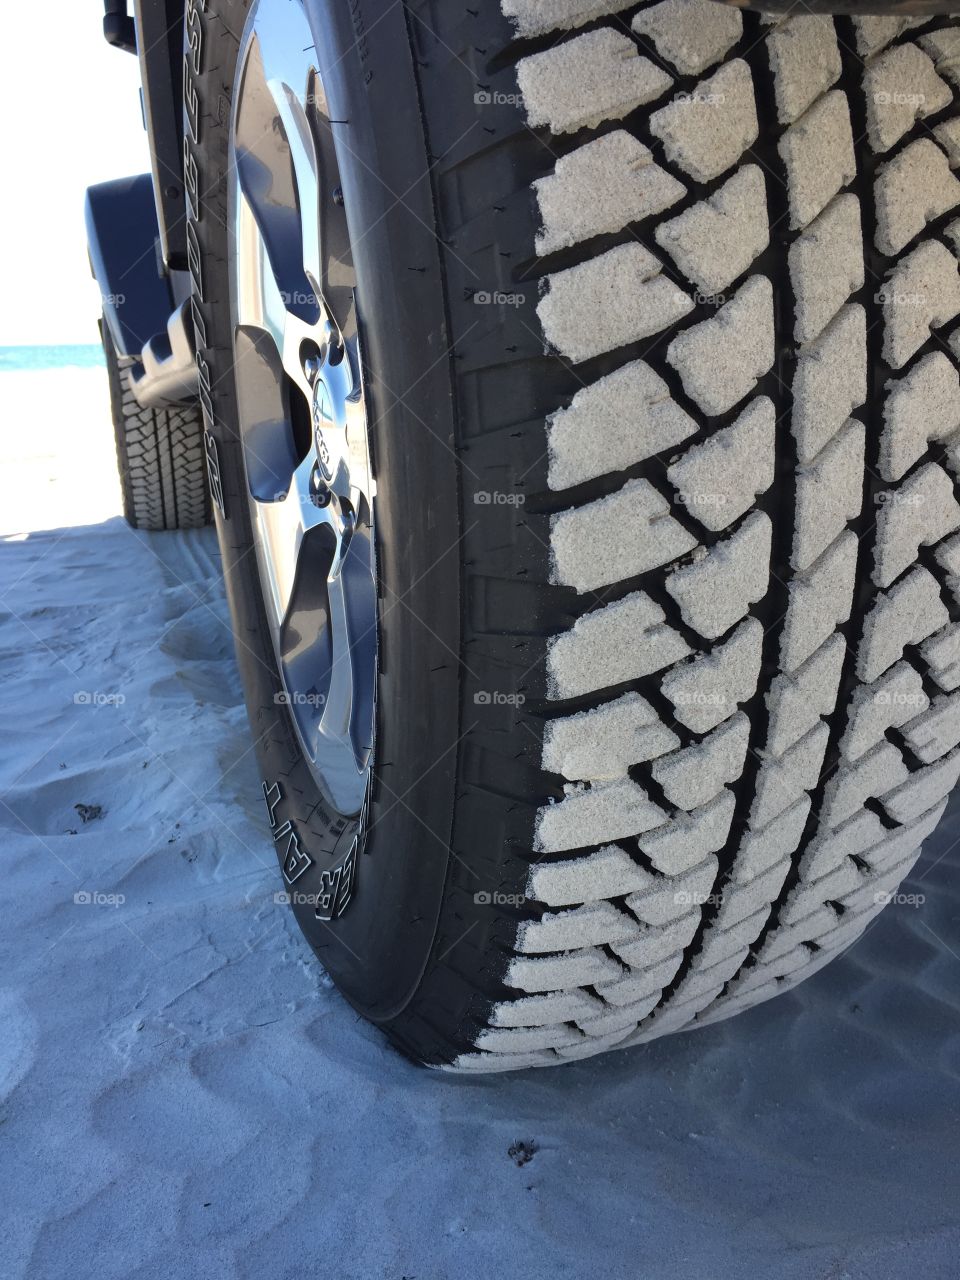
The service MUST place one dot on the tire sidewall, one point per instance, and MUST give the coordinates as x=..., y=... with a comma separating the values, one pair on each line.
x=377, y=950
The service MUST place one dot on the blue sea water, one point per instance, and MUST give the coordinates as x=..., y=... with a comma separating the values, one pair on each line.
x=76, y=356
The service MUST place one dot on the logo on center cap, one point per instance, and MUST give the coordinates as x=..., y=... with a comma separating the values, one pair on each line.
x=322, y=421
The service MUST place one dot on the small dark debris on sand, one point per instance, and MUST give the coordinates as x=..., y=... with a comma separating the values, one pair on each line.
x=89, y=812
x=521, y=1152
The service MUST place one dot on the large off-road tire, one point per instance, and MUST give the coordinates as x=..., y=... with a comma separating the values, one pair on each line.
x=160, y=459
x=658, y=306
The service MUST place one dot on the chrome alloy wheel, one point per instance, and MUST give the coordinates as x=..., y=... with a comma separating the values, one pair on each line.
x=300, y=398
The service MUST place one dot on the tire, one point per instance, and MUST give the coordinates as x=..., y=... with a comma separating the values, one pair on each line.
x=664, y=393
x=163, y=474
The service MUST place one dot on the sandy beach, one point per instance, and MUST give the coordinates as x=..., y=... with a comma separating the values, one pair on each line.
x=182, y=1091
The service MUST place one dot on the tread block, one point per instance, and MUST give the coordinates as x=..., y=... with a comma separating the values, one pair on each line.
x=891, y=850
x=921, y=293
x=739, y=921
x=537, y=1011
x=718, y=588
x=524, y=1039
x=850, y=839
x=621, y=1020
x=718, y=480
x=818, y=155
x=875, y=33
x=922, y=406
x=826, y=265
x=612, y=424
x=705, y=132
x=830, y=381
x=820, y=601
x=619, y=642
x=617, y=298
x=710, y=688
x=584, y=968
x=592, y=925
x=668, y=898
x=829, y=494
x=797, y=701
x=924, y=789
x=805, y=61
x=605, y=741
x=937, y=731
x=889, y=702
x=920, y=513
x=720, y=359
x=948, y=135
x=608, y=873
x=687, y=838
x=913, y=189
x=608, y=811
x=943, y=47
x=537, y=17
x=692, y=35
x=654, y=942
x=694, y=775
x=620, y=536
x=843, y=879
x=906, y=614
x=942, y=656
x=600, y=188
x=715, y=241
x=900, y=86
x=581, y=82
x=761, y=849
x=783, y=781
x=637, y=984
x=496, y=1062
x=873, y=774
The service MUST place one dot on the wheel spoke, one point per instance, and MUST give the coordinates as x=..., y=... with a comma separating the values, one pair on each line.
x=302, y=417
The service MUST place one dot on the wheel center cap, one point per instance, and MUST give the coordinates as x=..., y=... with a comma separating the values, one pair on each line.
x=322, y=415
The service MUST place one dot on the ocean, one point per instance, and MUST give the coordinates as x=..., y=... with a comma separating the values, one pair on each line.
x=74, y=356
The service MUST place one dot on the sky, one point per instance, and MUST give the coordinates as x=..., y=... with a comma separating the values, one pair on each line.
x=69, y=120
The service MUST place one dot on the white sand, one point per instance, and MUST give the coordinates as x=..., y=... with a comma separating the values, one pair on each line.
x=184, y=1095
